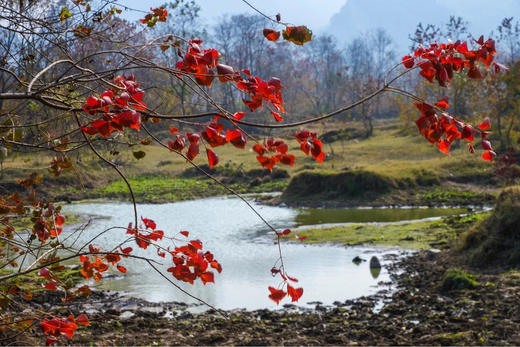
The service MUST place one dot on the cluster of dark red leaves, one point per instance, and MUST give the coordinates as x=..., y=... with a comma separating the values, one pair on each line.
x=143, y=238
x=201, y=63
x=213, y=135
x=278, y=153
x=117, y=106
x=93, y=265
x=443, y=129
x=191, y=262
x=57, y=327
x=440, y=61
x=310, y=144
x=157, y=15
x=49, y=224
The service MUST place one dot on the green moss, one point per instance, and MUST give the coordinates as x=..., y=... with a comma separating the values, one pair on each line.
x=456, y=279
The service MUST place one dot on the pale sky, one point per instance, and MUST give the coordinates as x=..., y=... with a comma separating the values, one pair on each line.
x=313, y=13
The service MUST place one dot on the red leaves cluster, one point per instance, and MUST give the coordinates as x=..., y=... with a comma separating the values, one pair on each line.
x=260, y=91
x=213, y=135
x=278, y=294
x=444, y=129
x=56, y=327
x=278, y=149
x=157, y=15
x=310, y=144
x=190, y=263
x=440, y=61
x=118, y=109
x=143, y=238
x=201, y=63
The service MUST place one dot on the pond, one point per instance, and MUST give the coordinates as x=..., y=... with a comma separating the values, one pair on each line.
x=245, y=248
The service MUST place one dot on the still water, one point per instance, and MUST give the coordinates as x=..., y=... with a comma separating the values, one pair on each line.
x=245, y=248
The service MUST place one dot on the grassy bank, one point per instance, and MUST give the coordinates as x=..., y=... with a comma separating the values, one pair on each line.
x=416, y=235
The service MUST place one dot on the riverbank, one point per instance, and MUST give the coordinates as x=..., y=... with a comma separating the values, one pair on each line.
x=421, y=311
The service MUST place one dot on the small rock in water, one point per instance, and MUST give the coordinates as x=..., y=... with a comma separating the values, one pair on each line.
x=358, y=260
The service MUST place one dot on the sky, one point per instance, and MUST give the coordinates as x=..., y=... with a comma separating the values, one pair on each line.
x=313, y=13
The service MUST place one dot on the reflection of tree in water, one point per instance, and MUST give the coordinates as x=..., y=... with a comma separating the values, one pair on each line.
x=375, y=267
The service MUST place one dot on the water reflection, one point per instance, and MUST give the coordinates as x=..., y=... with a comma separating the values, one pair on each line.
x=375, y=267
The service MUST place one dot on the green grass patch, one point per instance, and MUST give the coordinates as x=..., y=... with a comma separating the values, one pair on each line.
x=441, y=234
x=159, y=189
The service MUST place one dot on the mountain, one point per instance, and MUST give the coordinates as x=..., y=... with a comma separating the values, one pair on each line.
x=400, y=17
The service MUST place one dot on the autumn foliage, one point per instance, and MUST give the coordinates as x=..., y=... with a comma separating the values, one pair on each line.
x=120, y=108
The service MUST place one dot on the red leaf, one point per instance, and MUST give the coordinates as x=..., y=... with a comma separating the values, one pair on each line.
x=237, y=138
x=44, y=272
x=225, y=73
x=470, y=148
x=212, y=158
x=239, y=115
x=126, y=250
x=50, y=340
x=486, y=145
x=207, y=277
x=51, y=285
x=301, y=238
x=185, y=233
x=82, y=319
x=196, y=243
x=121, y=268
x=444, y=146
x=60, y=220
x=485, y=125
x=287, y=159
x=443, y=103
x=489, y=155
x=271, y=35
x=408, y=61
x=283, y=233
x=294, y=293
x=148, y=223
x=276, y=294
x=277, y=116
x=193, y=151
x=468, y=133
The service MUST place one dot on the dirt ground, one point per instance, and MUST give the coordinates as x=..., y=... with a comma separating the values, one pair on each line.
x=419, y=312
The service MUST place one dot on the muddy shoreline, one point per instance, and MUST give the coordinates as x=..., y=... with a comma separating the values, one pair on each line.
x=418, y=312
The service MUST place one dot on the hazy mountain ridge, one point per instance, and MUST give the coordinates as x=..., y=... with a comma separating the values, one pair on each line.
x=400, y=17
